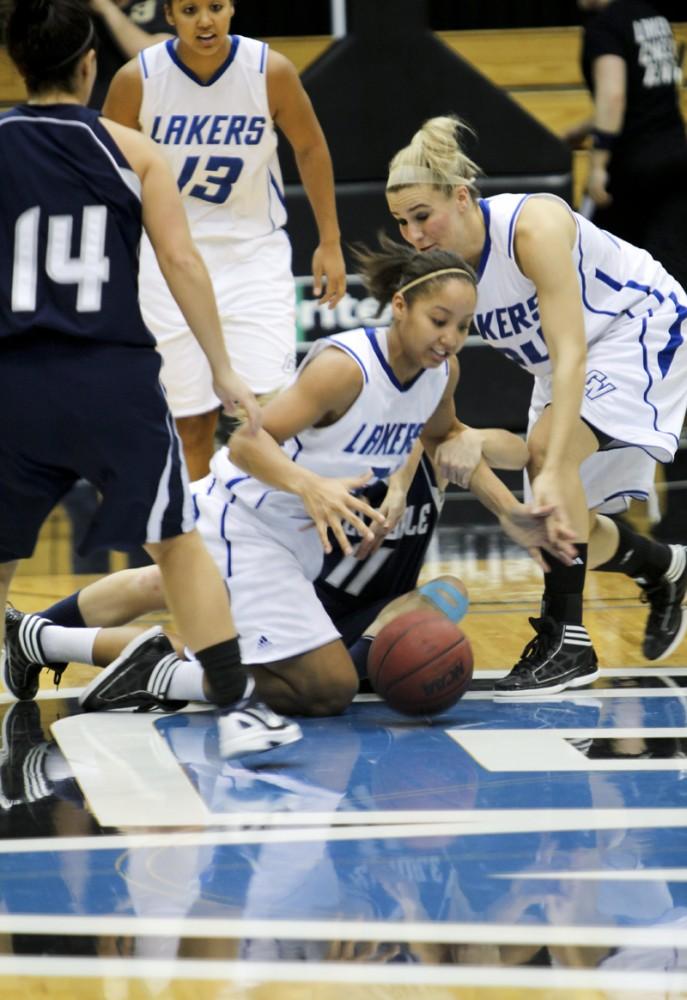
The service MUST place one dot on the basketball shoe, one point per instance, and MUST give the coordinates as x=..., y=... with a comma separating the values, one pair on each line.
x=251, y=727
x=667, y=621
x=138, y=678
x=22, y=756
x=560, y=656
x=23, y=659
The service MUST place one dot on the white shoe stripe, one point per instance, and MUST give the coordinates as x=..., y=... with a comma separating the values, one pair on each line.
x=677, y=564
x=29, y=631
x=158, y=682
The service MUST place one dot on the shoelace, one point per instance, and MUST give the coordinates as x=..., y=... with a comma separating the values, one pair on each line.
x=538, y=645
x=58, y=671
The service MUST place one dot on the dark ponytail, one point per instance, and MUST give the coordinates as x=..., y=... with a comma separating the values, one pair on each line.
x=46, y=39
x=388, y=270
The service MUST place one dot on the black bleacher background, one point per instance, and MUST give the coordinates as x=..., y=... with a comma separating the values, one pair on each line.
x=312, y=17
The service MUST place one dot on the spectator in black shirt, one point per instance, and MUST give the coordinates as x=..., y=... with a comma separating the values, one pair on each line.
x=124, y=28
x=638, y=170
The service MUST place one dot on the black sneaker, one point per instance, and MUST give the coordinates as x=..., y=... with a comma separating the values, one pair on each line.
x=559, y=657
x=22, y=757
x=23, y=662
x=667, y=621
x=138, y=678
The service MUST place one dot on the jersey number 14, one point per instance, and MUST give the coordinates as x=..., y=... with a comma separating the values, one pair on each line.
x=89, y=271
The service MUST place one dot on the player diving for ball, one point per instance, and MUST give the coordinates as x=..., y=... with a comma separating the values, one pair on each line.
x=272, y=508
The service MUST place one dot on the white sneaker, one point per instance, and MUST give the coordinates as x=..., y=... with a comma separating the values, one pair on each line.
x=254, y=727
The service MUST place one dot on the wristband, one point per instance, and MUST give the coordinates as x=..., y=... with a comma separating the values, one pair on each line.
x=603, y=140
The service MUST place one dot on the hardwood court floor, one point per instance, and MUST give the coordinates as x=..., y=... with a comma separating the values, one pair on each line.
x=499, y=852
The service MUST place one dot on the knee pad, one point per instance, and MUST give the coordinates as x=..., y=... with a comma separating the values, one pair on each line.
x=446, y=598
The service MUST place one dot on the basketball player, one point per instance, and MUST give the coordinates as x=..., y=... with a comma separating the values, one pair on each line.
x=211, y=101
x=361, y=592
x=600, y=325
x=76, y=192
x=357, y=405
x=270, y=510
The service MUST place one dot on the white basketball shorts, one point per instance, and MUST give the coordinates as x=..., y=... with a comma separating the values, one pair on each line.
x=256, y=298
x=269, y=566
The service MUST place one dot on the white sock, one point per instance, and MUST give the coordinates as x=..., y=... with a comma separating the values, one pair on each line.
x=186, y=682
x=61, y=644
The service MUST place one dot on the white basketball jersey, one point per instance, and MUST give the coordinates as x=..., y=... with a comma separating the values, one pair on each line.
x=376, y=434
x=617, y=281
x=218, y=138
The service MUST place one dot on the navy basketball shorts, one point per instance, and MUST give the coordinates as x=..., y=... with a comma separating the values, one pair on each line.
x=73, y=408
x=351, y=618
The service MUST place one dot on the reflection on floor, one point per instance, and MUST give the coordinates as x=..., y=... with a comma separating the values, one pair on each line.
x=499, y=850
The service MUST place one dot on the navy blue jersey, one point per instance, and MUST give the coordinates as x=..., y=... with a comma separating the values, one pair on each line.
x=70, y=227
x=347, y=584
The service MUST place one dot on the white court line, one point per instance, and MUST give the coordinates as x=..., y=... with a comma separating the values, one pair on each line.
x=540, y=751
x=607, y=875
x=451, y=823
x=220, y=928
x=50, y=694
x=644, y=983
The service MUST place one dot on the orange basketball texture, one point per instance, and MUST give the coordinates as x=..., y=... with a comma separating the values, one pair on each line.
x=420, y=663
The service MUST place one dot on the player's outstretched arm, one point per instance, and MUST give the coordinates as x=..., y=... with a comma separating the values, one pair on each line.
x=293, y=113
x=502, y=449
x=324, y=389
x=129, y=37
x=183, y=268
x=525, y=526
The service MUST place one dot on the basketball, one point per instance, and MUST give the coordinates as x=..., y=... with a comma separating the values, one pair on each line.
x=420, y=663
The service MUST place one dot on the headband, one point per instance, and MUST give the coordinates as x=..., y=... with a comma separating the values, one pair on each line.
x=409, y=173
x=436, y=274
x=75, y=55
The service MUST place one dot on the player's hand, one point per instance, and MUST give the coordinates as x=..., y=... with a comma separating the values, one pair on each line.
x=236, y=397
x=527, y=526
x=547, y=494
x=392, y=508
x=576, y=136
x=328, y=264
x=597, y=186
x=457, y=458
x=331, y=503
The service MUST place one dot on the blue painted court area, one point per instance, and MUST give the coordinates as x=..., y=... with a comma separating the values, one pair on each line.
x=558, y=824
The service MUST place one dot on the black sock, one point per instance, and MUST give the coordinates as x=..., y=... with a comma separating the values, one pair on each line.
x=65, y=612
x=358, y=653
x=226, y=676
x=563, y=586
x=637, y=556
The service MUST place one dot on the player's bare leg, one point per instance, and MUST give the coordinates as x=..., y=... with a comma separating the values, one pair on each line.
x=122, y=597
x=319, y=683
x=453, y=597
x=561, y=655
x=194, y=591
x=197, y=435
